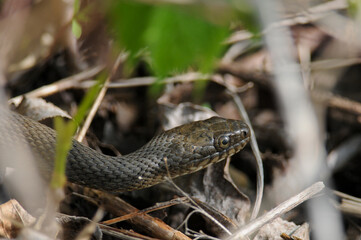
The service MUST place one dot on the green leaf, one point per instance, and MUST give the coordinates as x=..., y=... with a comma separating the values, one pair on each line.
x=129, y=20
x=175, y=37
x=177, y=40
x=65, y=132
x=76, y=28
x=354, y=8
x=76, y=6
x=246, y=16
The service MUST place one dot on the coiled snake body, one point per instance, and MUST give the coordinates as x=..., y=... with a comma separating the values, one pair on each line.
x=179, y=151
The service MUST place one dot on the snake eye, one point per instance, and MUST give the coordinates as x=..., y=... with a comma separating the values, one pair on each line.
x=224, y=142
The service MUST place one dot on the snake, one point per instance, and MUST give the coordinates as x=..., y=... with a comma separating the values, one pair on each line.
x=172, y=153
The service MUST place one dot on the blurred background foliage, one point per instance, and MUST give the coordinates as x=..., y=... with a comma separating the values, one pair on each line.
x=176, y=37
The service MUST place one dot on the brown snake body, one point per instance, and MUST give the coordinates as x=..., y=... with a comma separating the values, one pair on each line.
x=178, y=151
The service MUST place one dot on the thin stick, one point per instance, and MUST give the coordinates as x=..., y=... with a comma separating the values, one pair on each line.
x=256, y=152
x=337, y=101
x=58, y=86
x=200, y=209
x=284, y=207
x=156, y=207
x=299, y=117
x=309, y=15
x=98, y=100
x=150, y=225
x=146, y=81
x=90, y=228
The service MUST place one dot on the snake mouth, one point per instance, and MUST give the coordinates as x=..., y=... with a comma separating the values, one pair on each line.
x=229, y=152
x=217, y=157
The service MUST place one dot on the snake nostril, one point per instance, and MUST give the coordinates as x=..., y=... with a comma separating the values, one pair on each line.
x=244, y=133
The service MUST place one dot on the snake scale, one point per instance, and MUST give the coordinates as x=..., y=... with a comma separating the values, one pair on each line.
x=178, y=151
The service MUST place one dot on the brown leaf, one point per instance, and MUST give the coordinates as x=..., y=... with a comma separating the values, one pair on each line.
x=12, y=218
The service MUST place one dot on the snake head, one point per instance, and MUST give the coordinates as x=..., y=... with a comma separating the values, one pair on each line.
x=196, y=145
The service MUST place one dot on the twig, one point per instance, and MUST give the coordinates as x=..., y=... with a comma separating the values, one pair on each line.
x=201, y=210
x=340, y=155
x=309, y=15
x=283, y=208
x=58, y=86
x=150, y=225
x=300, y=120
x=80, y=136
x=337, y=101
x=124, y=234
x=190, y=232
x=342, y=28
x=349, y=204
x=156, y=207
x=334, y=63
x=146, y=81
x=256, y=152
x=89, y=229
x=185, y=221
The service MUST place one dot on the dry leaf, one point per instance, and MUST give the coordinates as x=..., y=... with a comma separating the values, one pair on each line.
x=176, y=115
x=12, y=218
x=279, y=226
x=38, y=109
